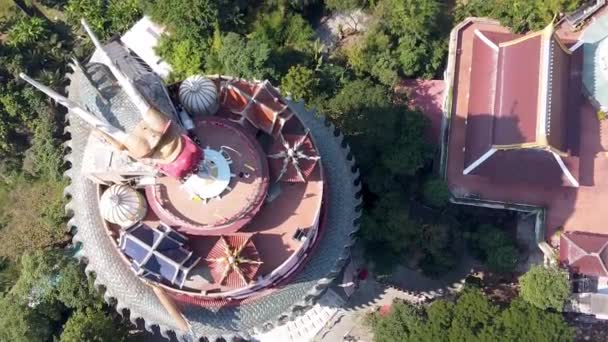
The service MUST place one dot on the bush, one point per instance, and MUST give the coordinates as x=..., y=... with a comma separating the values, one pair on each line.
x=18, y=323
x=300, y=82
x=502, y=259
x=545, y=287
x=421, y=28
x=374, y=55
x=92, y=325
x=472, y=317
x=242, y=57
x=105, y=18
x=495, y=248
x=186, y=19
x=435, y=193
x=401, y=324
x=185, y=56
x=27, y=31
x=51, y=278
x=525, y=322
x=520, y=15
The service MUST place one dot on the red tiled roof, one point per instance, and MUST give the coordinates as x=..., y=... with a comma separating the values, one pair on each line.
x=585, y=253
x=499, y=37
x=527, y=166
x=561, y=101
x=257, y=102
x=517, y=92
x=480, y=120
x=506, y=102
x=567, y=208
x=230, y=277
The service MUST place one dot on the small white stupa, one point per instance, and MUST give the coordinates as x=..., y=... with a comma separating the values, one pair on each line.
x=122, y=205
x=199, y=96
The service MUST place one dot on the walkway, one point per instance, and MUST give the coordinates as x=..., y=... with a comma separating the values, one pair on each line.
x=415, y=288
x=426, y=96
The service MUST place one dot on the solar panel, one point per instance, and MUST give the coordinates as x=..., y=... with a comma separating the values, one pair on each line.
x=158, y=254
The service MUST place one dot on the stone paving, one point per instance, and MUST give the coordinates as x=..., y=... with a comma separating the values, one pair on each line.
x=371, y=294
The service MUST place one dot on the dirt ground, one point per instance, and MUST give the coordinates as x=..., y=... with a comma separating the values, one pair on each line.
x=588, y=328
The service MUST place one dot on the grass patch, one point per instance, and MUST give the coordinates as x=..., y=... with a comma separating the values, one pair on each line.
x=31, y=216
x=7, y=9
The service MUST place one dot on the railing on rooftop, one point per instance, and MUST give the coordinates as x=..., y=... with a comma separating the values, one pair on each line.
x=577, y=17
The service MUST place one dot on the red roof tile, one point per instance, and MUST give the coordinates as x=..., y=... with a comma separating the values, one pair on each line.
x=526, y=166
x=246, y=258
x=585, y=253
x=504, y=110
x=480, y=119
x=517, y=92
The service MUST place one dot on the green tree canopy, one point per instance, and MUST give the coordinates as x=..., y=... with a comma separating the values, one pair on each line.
x=519, y=15
x=472, y=317
x=545, y=287
x=186, y=19
x=435, y=193
x=402, y=324
x=525, y=322
x=375, y=55
x=185, y=56
x=51, y=277
x=92, y=325
x=385, y=136
x=495, y=248
x=345, y=5
x=19, y=323
x=106, y=18
x=241, y=57
x=391, y=236
x=300, y=82
x=420, y=28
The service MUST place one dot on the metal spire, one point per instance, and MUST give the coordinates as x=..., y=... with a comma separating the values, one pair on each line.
x=99, y=123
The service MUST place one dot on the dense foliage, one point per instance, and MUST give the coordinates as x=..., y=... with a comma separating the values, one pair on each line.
x=435, y=193
x=92, y=325
x=410, y=39
x=520, y=15
x=495, y=248
x=472, y=317
x=42, y=291
x=545, y=287
x=41, y=287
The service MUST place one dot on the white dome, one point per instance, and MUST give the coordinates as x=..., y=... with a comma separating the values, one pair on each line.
x=198, y=95
x=122, y=205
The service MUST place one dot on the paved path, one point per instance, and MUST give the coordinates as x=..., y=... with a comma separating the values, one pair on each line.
x=372, y=294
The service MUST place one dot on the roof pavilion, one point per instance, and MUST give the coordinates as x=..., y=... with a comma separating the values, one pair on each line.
x=518, y=108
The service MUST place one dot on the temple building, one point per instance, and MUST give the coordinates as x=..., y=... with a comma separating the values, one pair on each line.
x=523, y=130
x=210, y=208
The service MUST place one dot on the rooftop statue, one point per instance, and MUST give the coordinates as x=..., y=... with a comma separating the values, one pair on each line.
x=214, y=207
